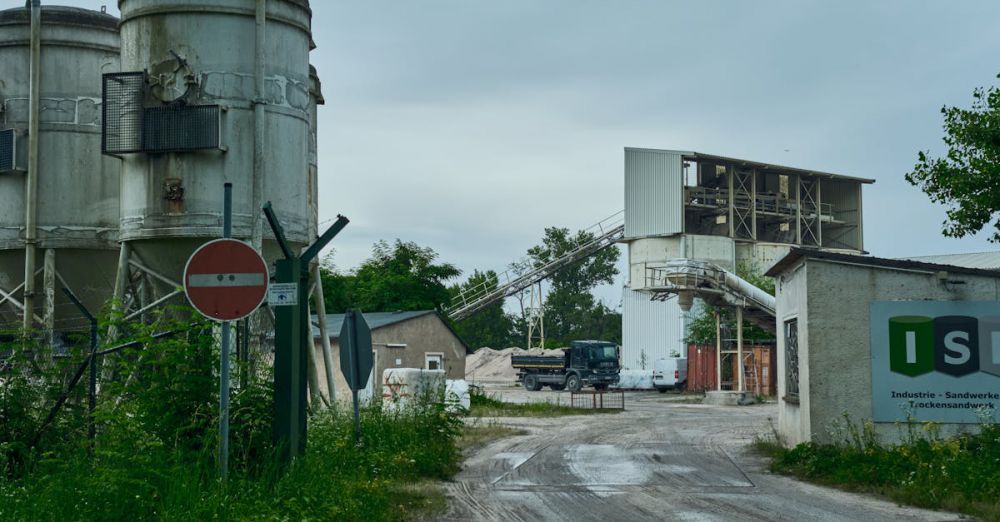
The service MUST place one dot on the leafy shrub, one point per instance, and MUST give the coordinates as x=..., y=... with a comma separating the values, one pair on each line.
x=960, y=473
x=154, y=457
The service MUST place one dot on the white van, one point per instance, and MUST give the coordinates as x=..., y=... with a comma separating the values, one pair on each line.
x=670, y=374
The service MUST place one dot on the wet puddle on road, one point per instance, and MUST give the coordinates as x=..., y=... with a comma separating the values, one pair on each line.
x=608, y=465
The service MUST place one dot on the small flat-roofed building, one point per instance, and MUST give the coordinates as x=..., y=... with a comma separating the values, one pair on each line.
x=883, y=340
x=418, y=339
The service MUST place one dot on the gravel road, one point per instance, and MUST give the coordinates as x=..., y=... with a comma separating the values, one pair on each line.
x=662, y=459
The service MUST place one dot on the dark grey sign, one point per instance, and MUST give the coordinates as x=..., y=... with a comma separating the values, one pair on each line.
x=355, y=350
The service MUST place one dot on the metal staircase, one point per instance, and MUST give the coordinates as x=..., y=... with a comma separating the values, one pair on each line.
x=471, y=300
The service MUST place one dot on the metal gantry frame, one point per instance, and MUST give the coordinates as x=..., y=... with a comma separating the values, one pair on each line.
x=747, y=202
x=743, y=203
x=536, y=317
x=809, y=213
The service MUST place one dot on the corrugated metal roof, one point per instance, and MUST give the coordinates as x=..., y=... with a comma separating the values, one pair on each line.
x=376, y=320
x=696, y=156
x=984, y=260
x=795, y=254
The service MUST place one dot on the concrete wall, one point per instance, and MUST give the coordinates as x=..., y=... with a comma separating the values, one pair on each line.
x=832, y=302
x=760, y=255
x=654, y=252
x=421, y=335
x=793, y=419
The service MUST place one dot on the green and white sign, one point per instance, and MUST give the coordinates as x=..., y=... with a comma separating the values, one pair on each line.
x=935, y=360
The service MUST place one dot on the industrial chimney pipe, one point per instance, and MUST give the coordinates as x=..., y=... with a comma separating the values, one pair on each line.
x=31, y=180
x=257, y=234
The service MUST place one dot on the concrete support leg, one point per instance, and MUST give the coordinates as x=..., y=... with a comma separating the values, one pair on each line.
x=316, y=398
x=324, y=334
x=121, y=282
x=718, y=352
x=738, y=367
x=49, y=292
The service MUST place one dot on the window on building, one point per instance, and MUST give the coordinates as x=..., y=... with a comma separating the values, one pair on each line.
x=792, y=360
x=434, y=361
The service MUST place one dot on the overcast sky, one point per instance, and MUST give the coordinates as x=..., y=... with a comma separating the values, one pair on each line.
x=469, y=126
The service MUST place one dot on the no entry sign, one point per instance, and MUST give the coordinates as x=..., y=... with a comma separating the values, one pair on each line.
x=225, y=279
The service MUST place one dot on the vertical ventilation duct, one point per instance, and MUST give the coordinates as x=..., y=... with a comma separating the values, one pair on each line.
x=257, y=239
x=31, y=181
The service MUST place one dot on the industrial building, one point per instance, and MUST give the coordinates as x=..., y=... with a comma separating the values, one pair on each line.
x=725, y=212
x=905, y=340
x=420, y=339
x=117, y=136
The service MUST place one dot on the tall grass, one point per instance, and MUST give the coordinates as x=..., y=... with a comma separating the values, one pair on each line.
x=959, y=473
x=155, y=453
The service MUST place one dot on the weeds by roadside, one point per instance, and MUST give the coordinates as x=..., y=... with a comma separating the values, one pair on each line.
x=484, y=405
x=960, y=473
x=154, y=454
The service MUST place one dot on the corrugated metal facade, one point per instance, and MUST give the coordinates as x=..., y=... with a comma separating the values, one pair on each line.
x=650, y=330
x=653, y=193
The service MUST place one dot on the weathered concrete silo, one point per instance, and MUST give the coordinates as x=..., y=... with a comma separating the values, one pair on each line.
x=251, y=61
x=63, y=210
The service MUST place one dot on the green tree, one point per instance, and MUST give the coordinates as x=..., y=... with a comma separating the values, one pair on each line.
x=571, y=312
x=338, y=287
x=967, y=179
x=401, y=276
x=491, y=326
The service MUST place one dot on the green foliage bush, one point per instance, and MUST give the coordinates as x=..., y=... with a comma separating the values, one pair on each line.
x=155, y=453
x=960, y=473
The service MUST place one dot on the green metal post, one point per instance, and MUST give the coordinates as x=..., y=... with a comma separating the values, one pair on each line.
x=292, y=337
x=289, y=367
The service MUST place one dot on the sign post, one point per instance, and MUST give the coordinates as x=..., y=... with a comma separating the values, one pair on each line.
x=225, y=280
x=292, y=336
x=356, y=358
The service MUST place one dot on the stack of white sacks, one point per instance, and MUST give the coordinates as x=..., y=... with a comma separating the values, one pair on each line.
x=635, y=380
x=403, y=387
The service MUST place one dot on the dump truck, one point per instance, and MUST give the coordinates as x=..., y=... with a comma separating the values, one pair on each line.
x=584, y=363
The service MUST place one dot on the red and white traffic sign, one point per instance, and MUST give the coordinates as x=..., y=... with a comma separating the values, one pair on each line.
x=225, y=279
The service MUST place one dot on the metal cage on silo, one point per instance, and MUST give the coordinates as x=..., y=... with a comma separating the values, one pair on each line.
x=196, y=106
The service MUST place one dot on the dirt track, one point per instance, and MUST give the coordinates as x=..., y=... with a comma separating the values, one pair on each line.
x=660, y=460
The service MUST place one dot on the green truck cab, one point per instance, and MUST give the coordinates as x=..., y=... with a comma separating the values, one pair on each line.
x=584, y=363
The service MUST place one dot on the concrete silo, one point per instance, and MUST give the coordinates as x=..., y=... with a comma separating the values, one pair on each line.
x=59, y=212
x=247, y=64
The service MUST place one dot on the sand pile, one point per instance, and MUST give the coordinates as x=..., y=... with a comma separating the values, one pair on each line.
x=487, y=364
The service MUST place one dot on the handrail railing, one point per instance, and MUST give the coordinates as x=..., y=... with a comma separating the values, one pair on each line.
x=507, y=283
